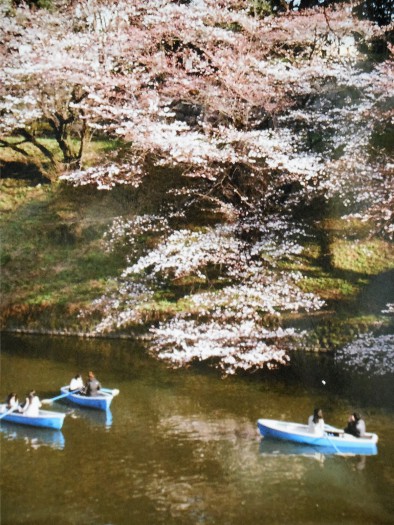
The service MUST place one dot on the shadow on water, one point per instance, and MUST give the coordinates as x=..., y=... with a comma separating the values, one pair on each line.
x=129, y=362
x=124, y=356
x=324, y=373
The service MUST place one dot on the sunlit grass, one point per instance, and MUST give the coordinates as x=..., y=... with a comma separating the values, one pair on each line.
x=94, y=151
x=329, y=288
x=14, y=193
x=363, y=256
x=354, y=261
x=51, y=260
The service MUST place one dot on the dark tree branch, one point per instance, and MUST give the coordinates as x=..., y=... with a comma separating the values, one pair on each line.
x=30, y=138
x=14, y=147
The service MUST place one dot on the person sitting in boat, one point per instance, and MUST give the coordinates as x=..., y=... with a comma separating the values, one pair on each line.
x=92, y=386
x=316, y=422
x=32, y=404
x=76, y=383
x=12, y=401
x=355, y=425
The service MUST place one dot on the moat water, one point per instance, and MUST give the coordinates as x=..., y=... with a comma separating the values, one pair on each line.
x=182, y=447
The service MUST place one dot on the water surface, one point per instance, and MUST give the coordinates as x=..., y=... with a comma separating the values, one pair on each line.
x=181, y=447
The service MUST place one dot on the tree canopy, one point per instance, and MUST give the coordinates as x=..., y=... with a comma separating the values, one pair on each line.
x=246, y=118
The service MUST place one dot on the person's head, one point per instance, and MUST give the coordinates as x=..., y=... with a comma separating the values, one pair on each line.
x=317, y=414
x=12, y=395
x=356, y=416
x=91, y=375
x=77, y=376
x=32, y=393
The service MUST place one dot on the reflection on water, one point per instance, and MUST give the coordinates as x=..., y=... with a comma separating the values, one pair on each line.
x=98, y=418
x=208, y=430
x=271, y=447
x=295, y=461
x=34, y=438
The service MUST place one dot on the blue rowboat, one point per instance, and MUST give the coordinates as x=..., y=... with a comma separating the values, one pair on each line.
x=275, y=447
x=101, y=401
x=332, y=438
x=45, y=418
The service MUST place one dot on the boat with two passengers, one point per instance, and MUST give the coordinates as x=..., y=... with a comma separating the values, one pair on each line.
x=101, y=401
x=44, y=419
x=332, y=438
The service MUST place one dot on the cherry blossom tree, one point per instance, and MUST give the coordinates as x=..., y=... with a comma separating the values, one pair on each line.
x=256, y=116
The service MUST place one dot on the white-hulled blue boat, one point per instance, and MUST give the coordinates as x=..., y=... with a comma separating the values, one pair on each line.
x=332, y=438
x=44, y=419
x=101, y=401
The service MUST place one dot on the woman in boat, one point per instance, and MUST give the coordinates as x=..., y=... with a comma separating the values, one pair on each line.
x=32, y=404
x=316, y=422
x=92, y=386
x=355, y=425
x=76, y=383
x=12, y=401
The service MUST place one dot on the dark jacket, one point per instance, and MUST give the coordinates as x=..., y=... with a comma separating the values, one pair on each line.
x=356, y=428
x=92, y=387
x=351, y=428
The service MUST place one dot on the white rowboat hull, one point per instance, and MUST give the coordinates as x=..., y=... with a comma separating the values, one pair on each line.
x=332, y=438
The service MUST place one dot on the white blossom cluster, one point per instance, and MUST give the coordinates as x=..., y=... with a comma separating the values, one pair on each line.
x=225, y=327
x=232, y=346
x=278, y=241
x=122, y=307
x=186, y=252
x=264, y=292
x=374, y=354
x=116, y=53
x=389, y=309
x=106, y=177
x=123, y=232
x=345, y=125
x=19, y=111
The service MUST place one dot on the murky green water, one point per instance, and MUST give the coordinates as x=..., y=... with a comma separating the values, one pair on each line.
x=182, y=446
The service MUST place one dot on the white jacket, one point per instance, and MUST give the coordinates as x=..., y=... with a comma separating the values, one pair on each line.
x=316, y=428
x=32, y=407
x=76, y=384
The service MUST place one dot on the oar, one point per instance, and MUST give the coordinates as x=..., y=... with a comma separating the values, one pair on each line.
x=8, y=412
x=114, y=392
x=332, y=443
x=332, y=429
x=48, y=401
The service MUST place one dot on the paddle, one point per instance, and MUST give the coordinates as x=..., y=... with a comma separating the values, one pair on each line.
x=8, y=412
x=49, y=401
x=114, y=392
x=327, y=429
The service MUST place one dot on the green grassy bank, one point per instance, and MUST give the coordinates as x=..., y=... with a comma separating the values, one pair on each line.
x=53, y=265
